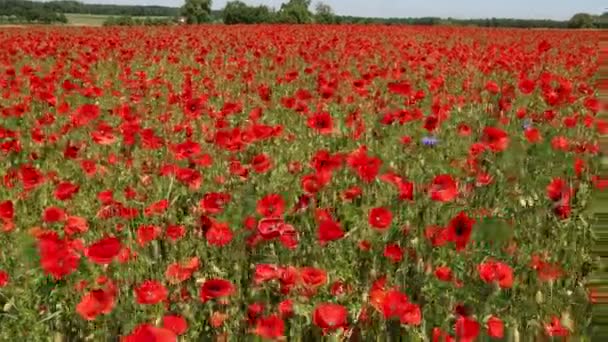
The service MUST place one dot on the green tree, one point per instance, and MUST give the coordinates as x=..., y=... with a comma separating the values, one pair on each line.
x=197, y=11
x=324, y=14
x=601, y=21
x=295, y=12
x=237, y=12
x=581, y=20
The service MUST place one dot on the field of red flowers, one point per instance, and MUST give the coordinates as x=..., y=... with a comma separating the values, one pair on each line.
x=300, y=183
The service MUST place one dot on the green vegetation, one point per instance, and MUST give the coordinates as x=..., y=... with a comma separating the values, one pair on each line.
x=86, y=19
x=17, y=12
x=581, y=20
x=197, y=11
x=298, y=12
x=106, y=9
x=295, y=12
x=137, y=21
x=324, y=14
x=238, y=12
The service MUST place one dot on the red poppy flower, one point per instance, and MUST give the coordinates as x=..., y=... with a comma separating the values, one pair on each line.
x=393, y=303
x=313, y=277
x=265, y=272
x=254, y=311
x=157, y=208
x=444, y=273
x=400, y=88
x=339, y=288
x=75, y=225
x=459, y=230
x=175, y=323
x=365, y=166
x=217, y=319
x=311, y=184
x=7, y=210
x=526, y=86
x=53, y=214
x=219, y=234
x=405, y=140
x=393, y=252
x=437, y=236
x=215, y=288
x=560, y=143
x=288, y=236
x=30, y=177
x=329, y=230
x=546, y=271
x=325, y=163
x=147, y=233
x=190, y=177
x=406, y=188
x=96, y=302
x=65, y=191
x=146, y=333
x=104, y=250
x=443, y=188
x=175, y=232
x=351, y=193
x=430, y=123
x=556, y=329
x=441, y=336
x=558, y=189
x=286, y=308
x=495, y=138
x=150, y=292
x=495, y=327
x=466, y=329
x=492, y=87
x=271, y=205
x=4, y=278
x=411, y=314
x=579, y=167
x=180, y=272
x=533, y=135
x=492, y=271
x=270, y=327
x=330, y=317
x=261, y=163
x=321, y=122
x=270, y=228
x=464, y=130
x=214, y=202
x=483, y=179
x=380, y=218
x=57, y=256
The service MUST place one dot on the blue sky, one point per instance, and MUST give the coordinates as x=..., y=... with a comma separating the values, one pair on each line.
x=549, y=9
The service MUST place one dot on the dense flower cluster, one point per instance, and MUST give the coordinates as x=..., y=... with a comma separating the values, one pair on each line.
x=293, y=182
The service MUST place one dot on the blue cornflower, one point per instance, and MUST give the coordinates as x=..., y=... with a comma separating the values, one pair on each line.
x=430, y=141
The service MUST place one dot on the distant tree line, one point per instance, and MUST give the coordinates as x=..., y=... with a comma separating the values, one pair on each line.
x=18, y=11
x=139, y=21
x=238, y=12
x=70, y=6
x=298, y=12
x=54, y=11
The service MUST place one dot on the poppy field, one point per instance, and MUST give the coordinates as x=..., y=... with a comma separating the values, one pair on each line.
x=298, y=183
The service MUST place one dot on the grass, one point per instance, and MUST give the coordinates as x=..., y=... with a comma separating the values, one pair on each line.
x=79, y=19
